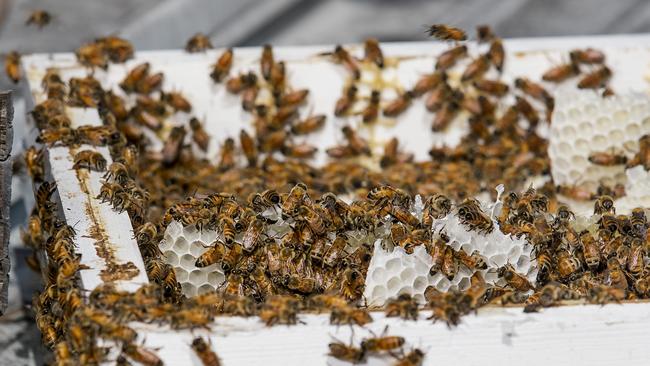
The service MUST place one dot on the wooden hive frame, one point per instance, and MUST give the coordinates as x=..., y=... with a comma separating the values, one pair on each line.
x=565, y=335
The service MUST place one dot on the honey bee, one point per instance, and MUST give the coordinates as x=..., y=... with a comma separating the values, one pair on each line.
x=370, y=113
x=575, y=192
x=497, y=53
x=214, y=254
x=437, y=250
x=301, y=284
x=266, y=61
x=248, y=147
x=273, y=141
x=382, y=195
x=227, y=159
x=135, y=76
x=473, y=262
x=278, y=77
x=534, y=90
x=39, y=17
x=449, y=266
x=44, y=192
x=12, y=66
x=568, y=266
x=445, y=116
x=607, y=159
x=413, y=358
x=200, y=137
x=232, y=257
x=382, y=343
x=150, y=84
x=445, y=32
x=352, y=284
x=177, y=101
x=313, y=219
x=435, y=208
x=280, y=310
x=617, y=277
x=428, y=82
x=141, y=355
x=604, y=205
x=346, y=353
x=341, y=55
x=309, y=125
x=97, y=135
x=449, y=58
x=318, y=250
x=402, y=215
x=295, y=97
x=392, y=155
x=595, y=79
x=440, y=95
x=373, y=53
x=635, y=259
x=241, y=82
x=33, y=235
x=591, y=250
x=344, y=103
x=470, y=214
x=484, y=33
x=514, y=279
x=404, y=306
x=560, y=73
x=252, y=235
x=89, y=159
x=117, y=49
x=297, y=195
x=300, y=151
x=493, y=87
x=340, y=152
x=172, y=147
x=203, y=351
x=282, y=116
x=34, y=163
x=356, y=142
x=545, y=265
x=199, y=42
x=587, y=56
x=349, y=315
x=476, y=68
x=85, y=92
x=221, y=69
x=399, y=105
x=264, y=200
x=92, y=55
x=234, y=284
x=527, y=110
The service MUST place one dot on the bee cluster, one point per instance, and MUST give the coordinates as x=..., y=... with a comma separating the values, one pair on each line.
x=285, y=241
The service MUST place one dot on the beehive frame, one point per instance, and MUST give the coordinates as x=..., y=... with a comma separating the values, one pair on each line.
x=565, y=335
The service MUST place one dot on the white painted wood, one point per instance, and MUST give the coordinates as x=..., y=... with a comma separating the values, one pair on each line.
x=75, y=204
x=570, y=335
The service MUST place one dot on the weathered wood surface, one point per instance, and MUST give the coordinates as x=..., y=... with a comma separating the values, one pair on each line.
x=6, y=139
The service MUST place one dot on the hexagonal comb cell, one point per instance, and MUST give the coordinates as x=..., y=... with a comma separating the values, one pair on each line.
x=181, y=248
x=393, y=272
x=602, y=125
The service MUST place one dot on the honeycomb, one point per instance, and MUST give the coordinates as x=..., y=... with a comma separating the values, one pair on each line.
x=583, y=123
x=181, y=246
x=393, y=272
x=637, y=190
